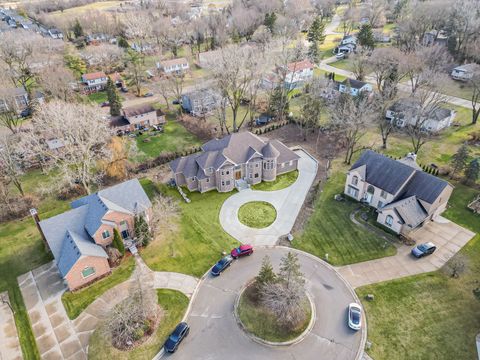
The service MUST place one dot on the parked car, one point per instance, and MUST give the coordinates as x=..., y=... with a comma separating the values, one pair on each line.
x=354, y=316
x=423, y=250
x=157, y=128
x=148, y=94
x=242, y=250
x=105, y=104
x=340, y=56
x=220, y=266
x=124, y=89
x=176, y=337
x=26, y=112
x=263, y=120
x=176, y=102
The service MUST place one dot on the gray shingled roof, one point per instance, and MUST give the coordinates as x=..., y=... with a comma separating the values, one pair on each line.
x=425, y=187
x=410, y=211
x=269, y=151
x=408, y=106
x=354, y=84
x=383, y=172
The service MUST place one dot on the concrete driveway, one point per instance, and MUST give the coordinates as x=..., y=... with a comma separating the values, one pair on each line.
x=446, y=235
x=215, y=334
x=287, y=203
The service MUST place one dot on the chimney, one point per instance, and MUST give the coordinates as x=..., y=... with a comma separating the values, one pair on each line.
x=412, y=156
x=35, y=217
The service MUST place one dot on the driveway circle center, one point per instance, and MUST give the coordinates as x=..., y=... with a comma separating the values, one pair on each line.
x=257, y=214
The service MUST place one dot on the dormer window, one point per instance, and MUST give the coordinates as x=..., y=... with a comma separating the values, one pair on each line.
x=355, y=180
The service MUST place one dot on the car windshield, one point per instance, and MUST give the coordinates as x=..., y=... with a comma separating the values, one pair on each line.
x=239, y=249
x=423, y=247
x=355, y=317
x=174, y=337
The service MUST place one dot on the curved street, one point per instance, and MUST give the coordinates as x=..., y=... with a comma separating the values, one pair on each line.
x=215, y=334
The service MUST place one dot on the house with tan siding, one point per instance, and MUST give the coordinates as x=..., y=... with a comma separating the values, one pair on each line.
x=405, y=196
x=78, y=238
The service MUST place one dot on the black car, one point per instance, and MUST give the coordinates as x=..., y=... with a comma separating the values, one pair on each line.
x=222, y=265
x=263, y=120
x=176, y=337
x=26, y=112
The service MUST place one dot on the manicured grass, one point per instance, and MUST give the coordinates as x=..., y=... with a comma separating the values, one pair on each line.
x=76, y=302
x=429, y=316
x=174, y=138
x=330, y=230
x=319, y=72
x=174, y=305
x=96, y=6
x=199, y=239
x=281, y=182
x=98, y=97
x=262, y=323
x=458, y=89
x=328, y=45
x=257, y=214
x=344, y=64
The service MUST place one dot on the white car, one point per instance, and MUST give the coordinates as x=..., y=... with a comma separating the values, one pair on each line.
x=340, y=55
x=354, y=316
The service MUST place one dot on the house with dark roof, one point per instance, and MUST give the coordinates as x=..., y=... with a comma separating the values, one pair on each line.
x=233, y=161
x=354, y=87
x=78, y=238
x=465, y=72
x=405, y=196
x=137, y=117
x=200, y=102
x=404, y=112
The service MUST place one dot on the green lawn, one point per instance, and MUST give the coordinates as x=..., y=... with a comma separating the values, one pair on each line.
x=78, y=301
x=98, y=97
x=257, y=214
x=330, y=230
x=429, y=316
x=199, y=240
x=174, y=305
x=174, y=138
x=281, y=182
x=458, y=89
x=345, y=64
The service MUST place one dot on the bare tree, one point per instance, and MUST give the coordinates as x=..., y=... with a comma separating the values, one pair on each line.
x=58, y=82
x=8, y=113
x=262, y=37
x=360, y=64
x=138, y=27
x=165, y=215
x=175, y=82
x=11, y=161
x=135, y=70
x=457, y=265
x=107, y=57
x=475, y=83
x=82, y=131
x=384, y=62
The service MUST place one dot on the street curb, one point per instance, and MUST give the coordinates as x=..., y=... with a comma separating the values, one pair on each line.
x=298, y=339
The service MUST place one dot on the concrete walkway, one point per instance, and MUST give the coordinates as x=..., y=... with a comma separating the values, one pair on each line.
x=287, y=203
x=9, y=344
x=446, y=235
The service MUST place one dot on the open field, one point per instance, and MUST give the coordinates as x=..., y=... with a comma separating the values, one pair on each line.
x=97, y=6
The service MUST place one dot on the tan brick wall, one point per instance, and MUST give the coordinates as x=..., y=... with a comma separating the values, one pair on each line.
x=74, y=277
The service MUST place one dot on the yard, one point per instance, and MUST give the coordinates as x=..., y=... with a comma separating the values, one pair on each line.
x=329, y=230
x=429, y=316
x=282, y=181
x=199, y=239
x=98, y=97
x=257, y=214
x=173, y=303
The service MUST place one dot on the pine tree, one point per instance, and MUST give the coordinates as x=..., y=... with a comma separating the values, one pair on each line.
x=143, y=235
x=269, y=22
x=472, y=172
x=276, y=102
x=266, y=274
x=77, y=29
x=316, y=31
x=365, y=37
x=118, y=242
x=290, y=270
x=113, y=98
x=122, y=42
x=314, y=52
x=459, y=159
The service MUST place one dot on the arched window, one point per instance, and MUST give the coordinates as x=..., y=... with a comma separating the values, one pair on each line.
x=355, y=180
x=371, y=189
x=389, y=220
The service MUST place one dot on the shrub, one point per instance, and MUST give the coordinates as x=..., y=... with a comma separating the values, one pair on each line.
x=118, y=242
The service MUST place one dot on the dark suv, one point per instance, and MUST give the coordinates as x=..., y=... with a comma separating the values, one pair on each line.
x=176, y=337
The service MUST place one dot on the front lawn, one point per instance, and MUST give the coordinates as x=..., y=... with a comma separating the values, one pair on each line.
x=198, y=241
x=257, y=214
x=174, y=138
x=281, y=182
x=174, y=305
x=76, y=302
x=98, y=97
x=345, y=64
x=330, y=230
x=429, y=316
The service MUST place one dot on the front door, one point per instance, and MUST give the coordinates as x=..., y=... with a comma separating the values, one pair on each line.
x=125, y=234
x=238, y=175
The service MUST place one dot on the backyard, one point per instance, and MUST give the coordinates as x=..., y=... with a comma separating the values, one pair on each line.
x=439, y=314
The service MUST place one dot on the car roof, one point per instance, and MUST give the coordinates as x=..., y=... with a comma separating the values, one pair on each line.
x=180, y=327
x=245, y=246
x=430, y=244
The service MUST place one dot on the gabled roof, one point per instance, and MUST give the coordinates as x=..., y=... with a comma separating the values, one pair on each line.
x=409, y=210
x=138, y=110
x=94, y=76
x=354, y=84
x=300, y=65
x=467, y=67
x=178, y=61
x=425, y=187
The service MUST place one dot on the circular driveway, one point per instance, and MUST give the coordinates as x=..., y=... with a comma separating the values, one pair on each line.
x=214, y=333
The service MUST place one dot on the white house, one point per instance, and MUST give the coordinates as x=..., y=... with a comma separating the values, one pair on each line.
x=465, y=72
x=354, y=87
x=405, y=196
x=403, y=113
x=94, y=81
x=298, y=73
x=55, y=33
x=176, y=66
x=349, y=40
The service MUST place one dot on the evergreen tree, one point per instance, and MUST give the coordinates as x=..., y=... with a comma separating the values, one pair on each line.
x=117, y=242
x=459, y=159
x=290, y=270
x=113, y=98
x=77, y=29
x=314, y=52
x=143, y=235
x=122, y=42
x=365, y=37
x=277, y=101
x=472, y=172
x=269, y=22
x=316, y=31
x=266, y=274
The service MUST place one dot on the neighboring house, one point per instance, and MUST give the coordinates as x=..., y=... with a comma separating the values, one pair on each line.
x=232, y=161
x=55, y=145
x=200, y=102
x=117, y=79
x=55, y=33
x=465, y=72
x=137, y=117
x=94, y=81
x=381, y=37
x=349, y=40
x=176, y=66
x=403, y=113
x=18, y=98
x=435, y=37
x=79, y=237
x=98, y=38
x=354, y=87
x=296, y=74
x=405, y=196
x=142, y=48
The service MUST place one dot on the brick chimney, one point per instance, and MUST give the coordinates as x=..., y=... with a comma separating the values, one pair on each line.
x=35, y=217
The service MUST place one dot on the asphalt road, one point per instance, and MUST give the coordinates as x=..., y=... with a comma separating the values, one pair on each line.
x=215, y=334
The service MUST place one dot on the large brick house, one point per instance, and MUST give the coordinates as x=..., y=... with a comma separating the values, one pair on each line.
x=236, y=159
x=79, y=237
x=405, y=196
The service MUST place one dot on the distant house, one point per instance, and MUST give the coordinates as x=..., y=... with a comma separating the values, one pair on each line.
x=405, y=196
x=465, y=72
x=138, y=117
x=354, y=87
x=97, y=38
x=55, y=33
x=142, y=48
x=349, y=40
x=18, y=98
x=296, y=74
x=55, y=145
x=232, y=161
x=176, y=66
x=94, y=81
x=117, y=79
x=402, y=113
x=200, y=102
x=79, y=237
x=381, y=37
x=435, y=37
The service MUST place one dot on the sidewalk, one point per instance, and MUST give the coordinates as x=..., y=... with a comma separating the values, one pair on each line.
x=9, y=344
